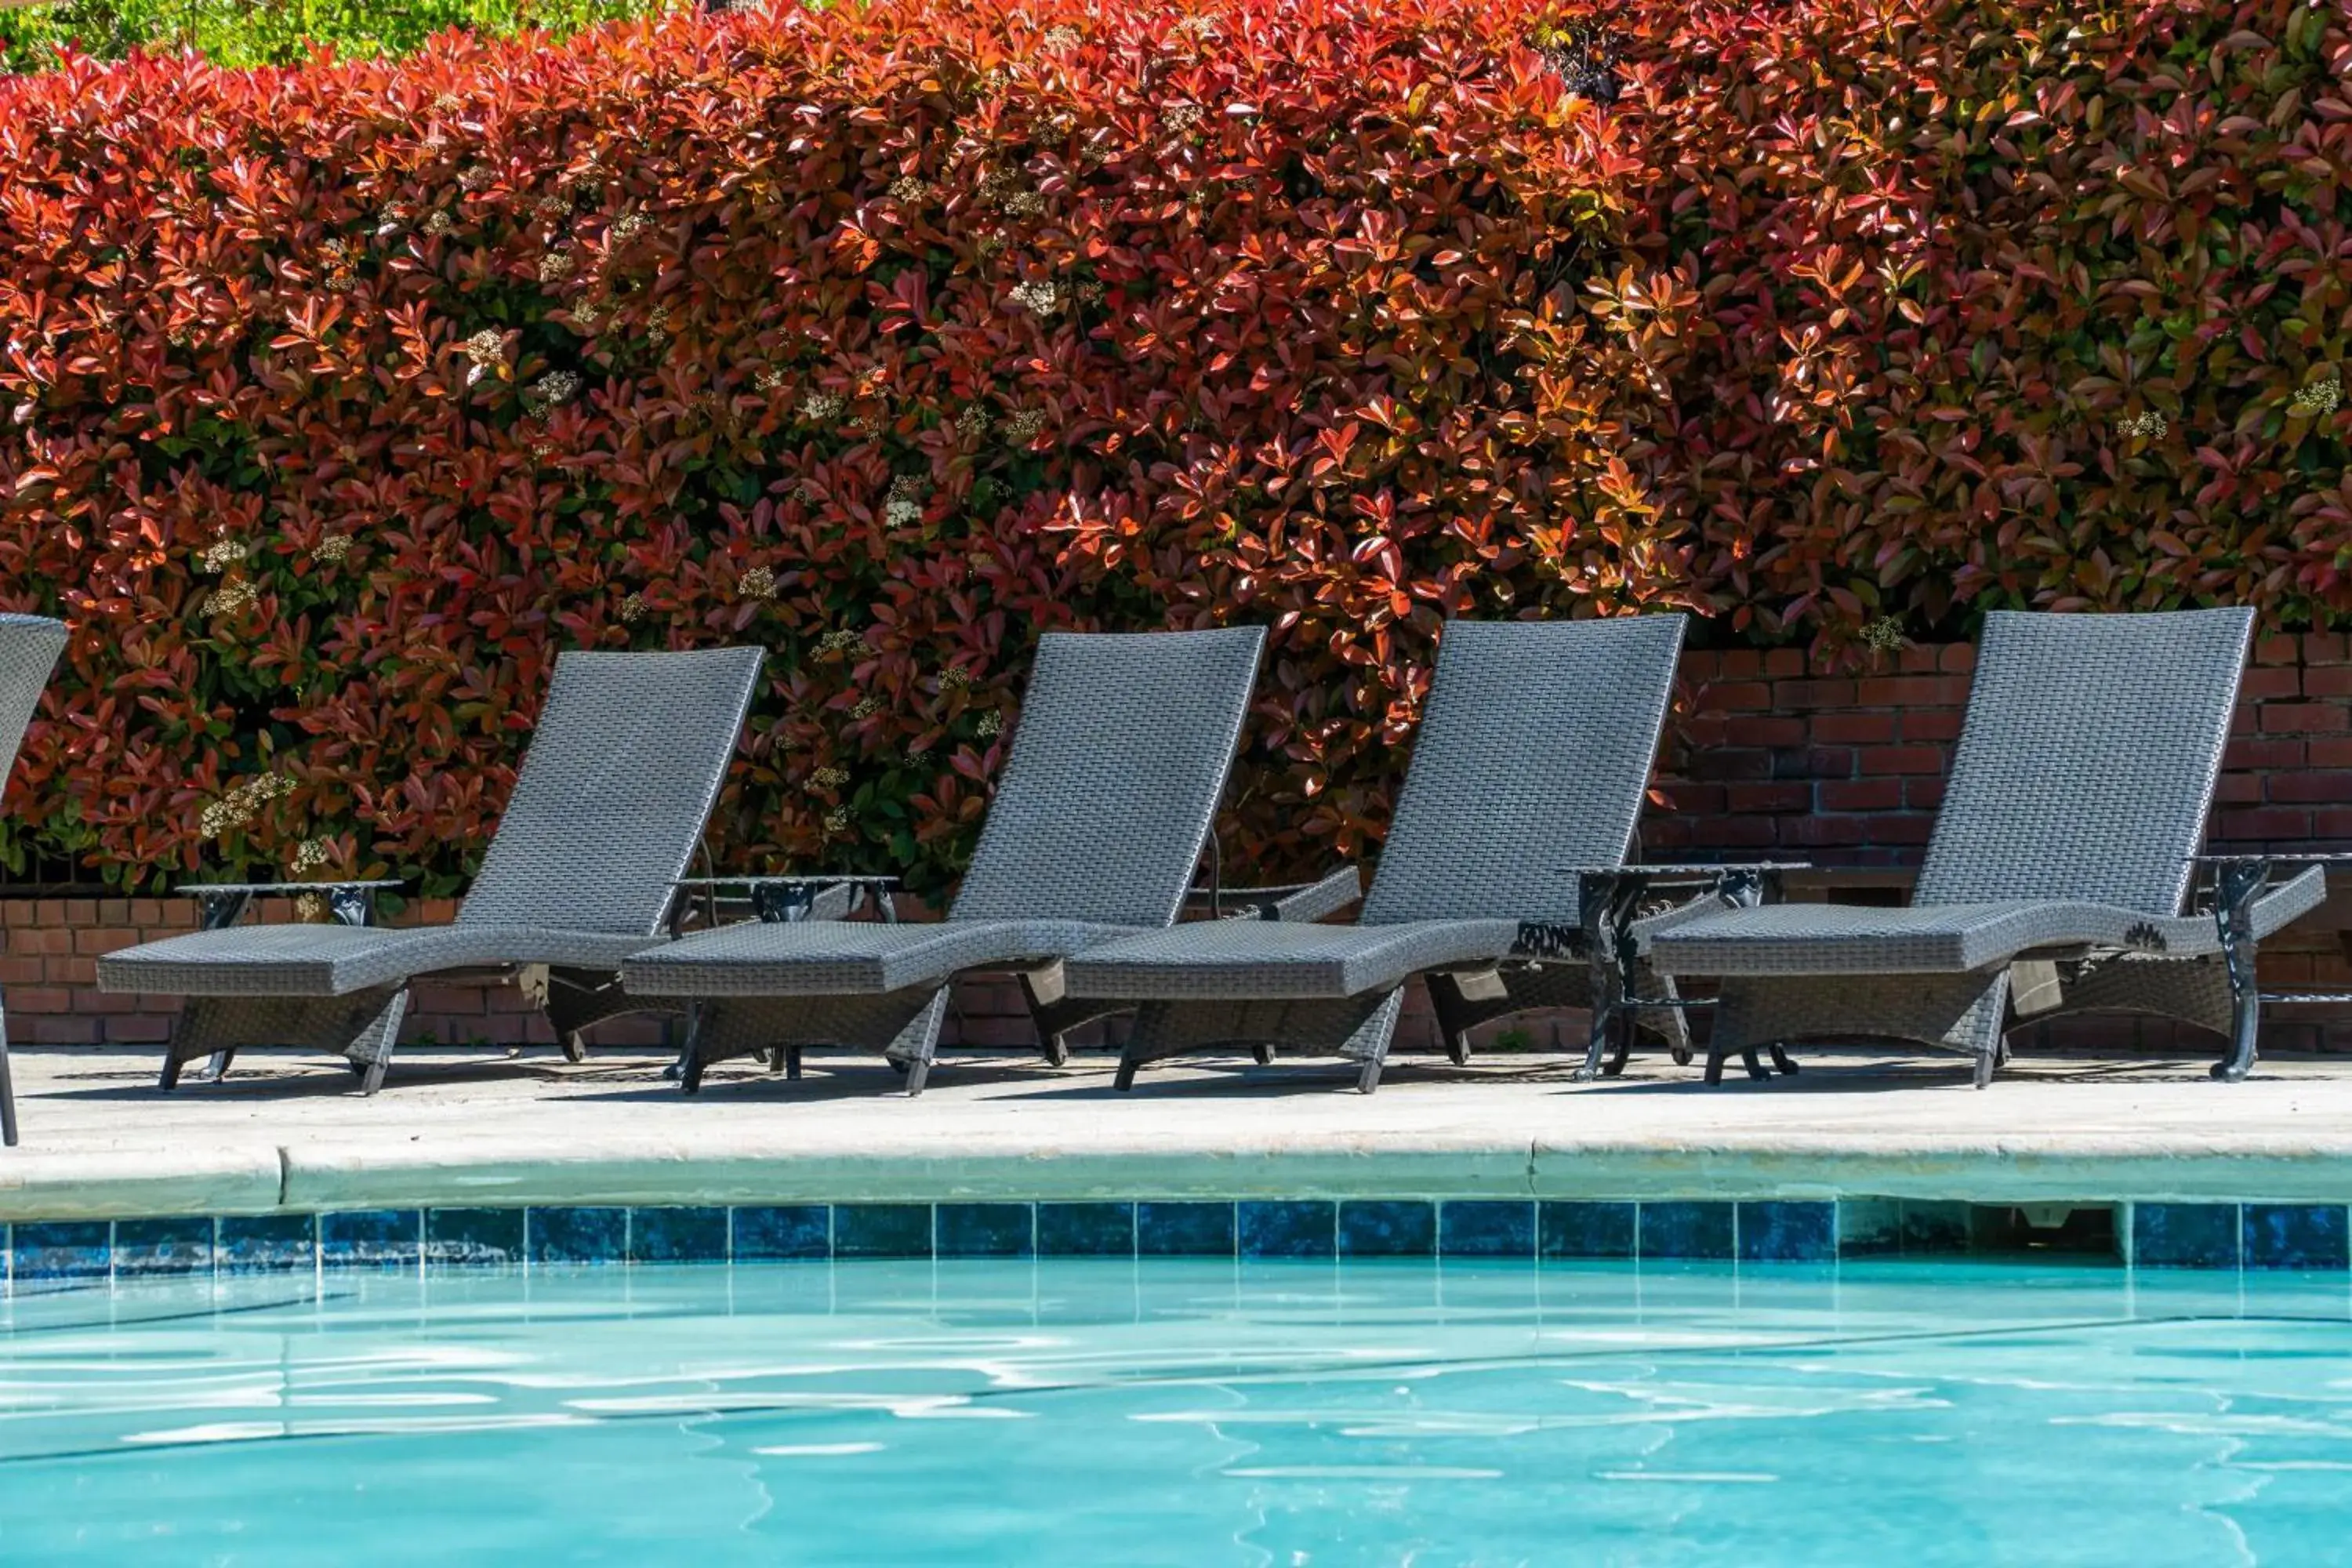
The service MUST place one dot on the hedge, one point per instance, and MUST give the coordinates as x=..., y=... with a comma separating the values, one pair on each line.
x=334, y=401
x=275, y=32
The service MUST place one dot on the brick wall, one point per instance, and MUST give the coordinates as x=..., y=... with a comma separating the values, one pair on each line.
x=1766, y=755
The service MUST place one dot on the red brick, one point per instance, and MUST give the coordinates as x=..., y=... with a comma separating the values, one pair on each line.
x=1737, y=663
x=49, y=912
x=1849, y=728
x=1913, y=691
x=1732, y=832
x=1766, y=731
x=2327, y=754
x=1694, y=799
x=1734, y=697
x=148, y=913
x=93, y=1002
x=1958, y=659
x=2269, y=684
x=2330, y=822
x=1861, y=795
x=1781, y=796
x=1941, y=725
x=1878, y=760
x=1923, y=793
x=2271, y=753
x=1665, y=833
x=20, y=972
x=17, y=912
x=1812, y=694
x=1731, y=764
x=1784, y=663
x=1918, y=659
x=2276, y=650
x=2305, y=717
x=2323, y=648
x=60, y=1029
x=2268, y=822
x=2246, y=718
x=1815, y=762
x=1812, y=831
x=2239, y=789
x=1900, y=828
x=96, y=940
x=64, y=971
x=138, y=1029
x=2310, y=787
x=40, y=999
x=2329, y=680
x=81, y=911
x=41, y=938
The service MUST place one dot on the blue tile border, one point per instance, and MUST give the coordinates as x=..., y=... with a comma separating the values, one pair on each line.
x=2316, y=1237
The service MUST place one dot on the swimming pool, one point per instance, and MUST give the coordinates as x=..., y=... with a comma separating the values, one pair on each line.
x=1182, y=1411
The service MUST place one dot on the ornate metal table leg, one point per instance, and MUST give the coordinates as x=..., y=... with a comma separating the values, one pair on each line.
x=1597, y=895
x=2236, y=885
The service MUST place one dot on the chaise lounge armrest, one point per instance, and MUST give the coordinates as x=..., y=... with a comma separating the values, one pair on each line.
x=787, y=901
x=351, y=902
x=1296, y=901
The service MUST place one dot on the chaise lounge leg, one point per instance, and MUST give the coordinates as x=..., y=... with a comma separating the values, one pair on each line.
x=8, y=1094
x=1985, y=1061
x=1715, y=1061
x=918, y=1073
x=1263, y=1054
x=1756, y=1067
x=1368, y=1077
x=575, y=1047
x=1124, y=1079
x=169, y=1079
x=789, y=1059
x=1780, y=1060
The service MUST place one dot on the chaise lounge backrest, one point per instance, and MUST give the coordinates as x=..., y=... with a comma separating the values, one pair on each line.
x=623, y=767
x=1117, y=767
x=1534, y=753
x=2087, y=761
x=29, y=646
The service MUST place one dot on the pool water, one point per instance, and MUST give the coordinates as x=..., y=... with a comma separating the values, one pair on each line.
x=1182, y=1412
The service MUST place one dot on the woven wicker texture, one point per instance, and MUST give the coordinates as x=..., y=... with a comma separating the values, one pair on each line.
x=621, y=775
x=1117, y=763
x=629, y=754
x=1237, y=959
x=2088, y=759
x=1944, y=939
x=830, y=958
x=336, y=960
x=29, y=646
x=1534, y=753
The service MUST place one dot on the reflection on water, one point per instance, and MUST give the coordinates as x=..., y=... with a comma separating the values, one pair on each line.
x=1182, y=1412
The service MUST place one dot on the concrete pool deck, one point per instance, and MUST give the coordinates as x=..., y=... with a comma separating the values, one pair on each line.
x=288, y=1134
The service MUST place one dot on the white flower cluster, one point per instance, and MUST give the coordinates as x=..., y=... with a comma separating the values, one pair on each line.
x=309, y=855
x=840, y=641
x=237, y=594
x=866, y=708
x=632, y=608
x=1060, y=40
x=954, y=678
x=821, y=407
x=991, y=725
x=908, y=189
x=827, y=778
x=974, y=422
x=2150, y=424
x=2320, y=397
x=333, y=548
x=903, y=513
x=1037, y=296
x=629, y=225
x=438, y=223
x=1182, y=117
x=221, y=554
x=1024, y=427
x=1883, y=634
x=554, y=388
x=758, y=582
x=243, y=803
x=556, y=266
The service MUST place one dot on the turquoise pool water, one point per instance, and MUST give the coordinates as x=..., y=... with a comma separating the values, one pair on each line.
x=1183, y=1412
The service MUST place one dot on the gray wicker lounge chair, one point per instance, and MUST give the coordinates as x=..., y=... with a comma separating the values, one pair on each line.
x=1534, y=756
x=1117, y=766
x=629, y=754
x=29, y=646
x=2055, y=881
